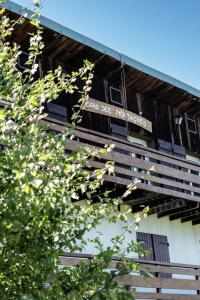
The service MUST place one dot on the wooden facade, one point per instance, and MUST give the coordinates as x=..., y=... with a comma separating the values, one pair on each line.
x=154, y=122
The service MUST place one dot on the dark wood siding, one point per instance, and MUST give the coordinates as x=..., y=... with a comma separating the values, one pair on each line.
x=98, y=122
x=191, y=140
x=148, y=112
x=132, y=106
x=163, y=122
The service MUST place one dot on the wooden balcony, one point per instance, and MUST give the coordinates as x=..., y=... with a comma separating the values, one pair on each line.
x=151, y=170
x=163, y=280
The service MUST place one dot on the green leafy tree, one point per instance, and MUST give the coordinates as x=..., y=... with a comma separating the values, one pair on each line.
x=41, y=183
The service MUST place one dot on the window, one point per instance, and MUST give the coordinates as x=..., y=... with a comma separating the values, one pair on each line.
x=158, y=248
x=191, y=125
x=116, y=96
x=22, y=58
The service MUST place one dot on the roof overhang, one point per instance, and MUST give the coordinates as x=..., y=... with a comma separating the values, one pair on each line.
x=142, y=78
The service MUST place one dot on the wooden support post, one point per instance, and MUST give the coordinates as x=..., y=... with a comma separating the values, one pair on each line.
x=197, y=278
x=105, y=83
x=187, y=132
x=170, y=123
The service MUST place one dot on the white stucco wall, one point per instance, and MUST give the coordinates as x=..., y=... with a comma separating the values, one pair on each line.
x=183, y=238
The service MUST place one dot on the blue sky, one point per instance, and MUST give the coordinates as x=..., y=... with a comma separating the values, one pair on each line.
x=164, y=34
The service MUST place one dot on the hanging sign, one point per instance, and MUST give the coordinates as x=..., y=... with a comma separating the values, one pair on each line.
x=102, y=108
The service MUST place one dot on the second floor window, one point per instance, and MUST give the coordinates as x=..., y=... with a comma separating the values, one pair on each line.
x=116, y=96
x=191, y=125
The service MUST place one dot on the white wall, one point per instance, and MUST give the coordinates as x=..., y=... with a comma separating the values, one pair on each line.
x=183, y=238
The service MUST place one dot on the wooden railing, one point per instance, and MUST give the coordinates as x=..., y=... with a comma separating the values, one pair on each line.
x=165, y=280
x=150, y=169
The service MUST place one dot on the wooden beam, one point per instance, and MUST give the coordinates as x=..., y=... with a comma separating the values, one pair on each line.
x=165, y=296
x=99, y=59
x=179, y=214
x=113, y=72
x=174, y=208
x=196, y=221
x=168, y=206
x=195, y=214
x=155, y=282
x=63, y=46
x=172, y=211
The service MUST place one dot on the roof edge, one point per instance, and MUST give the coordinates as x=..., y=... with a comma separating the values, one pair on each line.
x=16, y=8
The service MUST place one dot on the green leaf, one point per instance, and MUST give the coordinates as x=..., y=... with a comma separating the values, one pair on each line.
x=2, y=115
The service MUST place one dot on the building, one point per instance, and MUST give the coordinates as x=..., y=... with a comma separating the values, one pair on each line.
x=154, y=122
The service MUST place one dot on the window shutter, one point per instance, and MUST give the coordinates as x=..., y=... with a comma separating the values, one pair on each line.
x=159, y=247
x=164, y=146
x=57, y=111
x=118, y=131
x=161, y=251
x=178, y=151
x=146, y=245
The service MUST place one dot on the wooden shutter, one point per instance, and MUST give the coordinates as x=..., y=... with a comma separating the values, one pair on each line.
x=178, y=151
x=164, y=146
x=161, y=251
x=118, y=131
x=146, y=245
x=159, y=247
x=57, y=111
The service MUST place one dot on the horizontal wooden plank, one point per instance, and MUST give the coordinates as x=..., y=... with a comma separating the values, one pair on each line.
x=149, y=177
x=166, y=191
x=154, y=167
x=103, y=139
x=140, y=261
x=135, y=162
x=168, y=264
x=72, y=261
x=171, y=270
x=151, y=188
x=161, y=283
x=66, y=261
x=165, y=296
x=152, y=153
x=140, y=150
x=126, y=142
x=143, y=164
